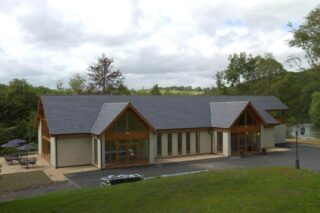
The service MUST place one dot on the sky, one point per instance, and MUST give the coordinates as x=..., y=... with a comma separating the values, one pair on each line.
x=151, y=41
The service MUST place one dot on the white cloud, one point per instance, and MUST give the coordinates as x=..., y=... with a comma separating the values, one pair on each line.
x=170, y=42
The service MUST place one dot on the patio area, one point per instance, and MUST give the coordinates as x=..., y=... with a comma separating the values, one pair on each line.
x=53, y=173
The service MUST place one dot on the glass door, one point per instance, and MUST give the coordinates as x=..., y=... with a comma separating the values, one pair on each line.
x=242, y=143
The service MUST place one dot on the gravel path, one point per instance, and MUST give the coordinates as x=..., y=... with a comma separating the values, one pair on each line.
x=39, y=190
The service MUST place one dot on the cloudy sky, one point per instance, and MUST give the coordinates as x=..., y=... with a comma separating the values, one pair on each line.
x=167, y=42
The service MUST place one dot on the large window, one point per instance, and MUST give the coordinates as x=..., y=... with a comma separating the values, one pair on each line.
x=247, y=118
x=126, y=151
x=128, y=122
x=245, y=142
x=188, y=142
x=179, y=143
x=197, y=142
x=219, y=142
x=126, y=141
x=169, y=144
x=159, y=144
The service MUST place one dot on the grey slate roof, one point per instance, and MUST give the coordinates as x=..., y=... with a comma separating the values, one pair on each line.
x=78, y=114
x=223, y=114
x=107, y=114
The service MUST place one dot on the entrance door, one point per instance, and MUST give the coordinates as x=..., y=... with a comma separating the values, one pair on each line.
x=234, y=144
x=132, y=152
x=125, y=152
x=242, y=142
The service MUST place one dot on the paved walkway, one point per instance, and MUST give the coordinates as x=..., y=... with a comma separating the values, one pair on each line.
x=283, y=156
x=42, y=164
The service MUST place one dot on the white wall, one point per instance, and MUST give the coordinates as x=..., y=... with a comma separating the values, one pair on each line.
x=39, y=138
x=205, y=142
x=164, y=148
x=53, y=151
x=73, y=150
x=280, y=133
x=152, y=147
x=267, y=137
x=226, y=143
x=174, y=144
x=192, y=142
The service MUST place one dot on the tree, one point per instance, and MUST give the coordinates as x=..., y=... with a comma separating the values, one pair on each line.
x=21, y=99
x=77, y=83
x=314, y=111
x=59, y=86
x=122, y=90
x=103, y=76
x=266, y=69
x=307, y=37
x=220, y=88
x=241, y=66
x=155, y=90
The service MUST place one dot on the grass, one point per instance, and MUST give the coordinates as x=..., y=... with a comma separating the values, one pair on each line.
x=236, y=190
x=16, y=181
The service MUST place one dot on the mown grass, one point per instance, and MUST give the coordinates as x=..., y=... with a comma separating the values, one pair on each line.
x=17, y=181
x=236, y=190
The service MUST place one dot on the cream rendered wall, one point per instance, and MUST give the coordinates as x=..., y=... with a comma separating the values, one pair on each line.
x=226, y=143
x=152, y=147
x=98, y=164
x=267, y=137
x=102, y=142
x=53, y=151
x=205, y=142
x=164, y=147
x=74, y=150
x=39, y=138
x=280, y=133
x=99, y=150
x=192, y=143
x=175, y=144
x=214, y=141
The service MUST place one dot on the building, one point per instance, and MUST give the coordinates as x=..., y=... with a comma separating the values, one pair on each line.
x=116, y=131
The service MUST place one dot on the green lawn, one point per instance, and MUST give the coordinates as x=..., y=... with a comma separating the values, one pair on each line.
x=16, y=181
x=240, y=190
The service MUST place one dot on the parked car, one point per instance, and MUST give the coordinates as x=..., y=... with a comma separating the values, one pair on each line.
x=117, y=179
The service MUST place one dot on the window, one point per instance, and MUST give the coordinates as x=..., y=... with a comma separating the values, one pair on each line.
x=134, y=123
x=250, y=119
x=197, y=142
x=179, y=143
x=159, y=145
x=247, y=118
x=188, y=142
x=169, y=144
x=219, y=142
x=128, y=122
x=120, y=125
x=242, y=119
